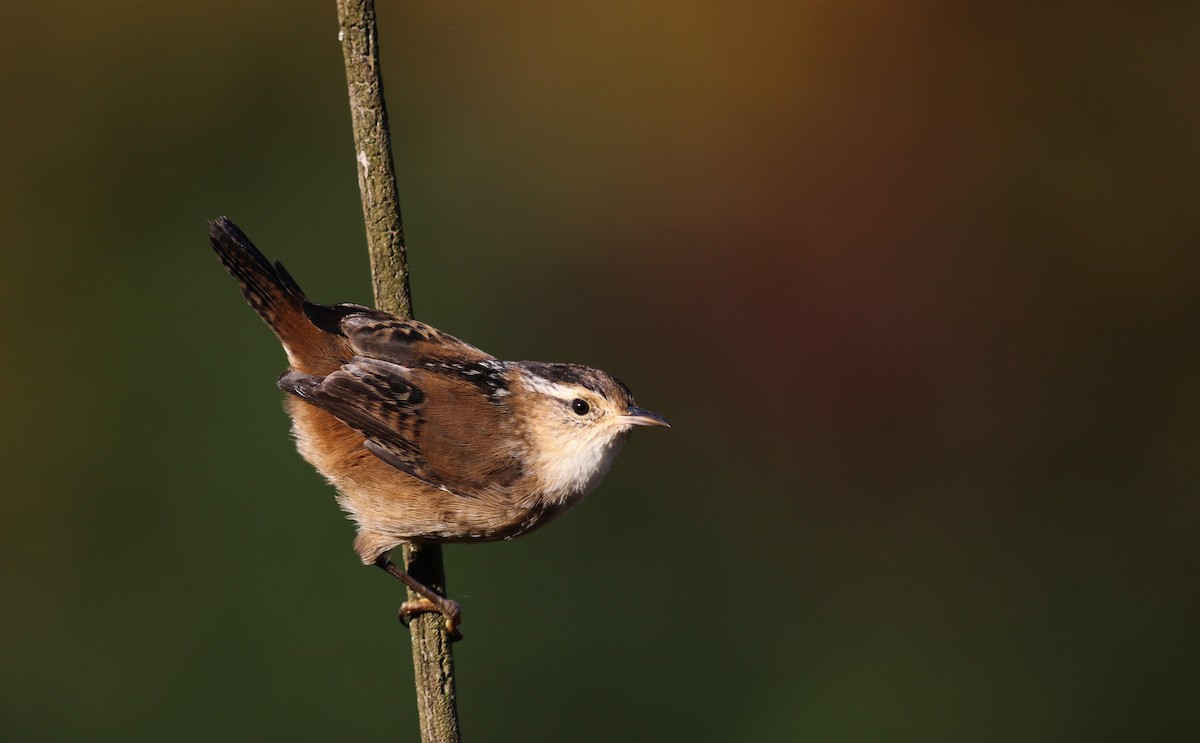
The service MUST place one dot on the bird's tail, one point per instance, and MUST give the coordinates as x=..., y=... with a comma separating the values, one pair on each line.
x=275, y=296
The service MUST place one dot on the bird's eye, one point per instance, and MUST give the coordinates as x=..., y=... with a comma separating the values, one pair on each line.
x=579, y=406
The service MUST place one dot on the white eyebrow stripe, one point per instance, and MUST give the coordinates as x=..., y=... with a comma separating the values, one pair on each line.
x=544, y=386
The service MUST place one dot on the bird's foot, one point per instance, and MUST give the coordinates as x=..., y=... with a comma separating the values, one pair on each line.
x=447, y=608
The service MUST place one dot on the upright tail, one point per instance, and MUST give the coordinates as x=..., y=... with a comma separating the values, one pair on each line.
x=276, y=297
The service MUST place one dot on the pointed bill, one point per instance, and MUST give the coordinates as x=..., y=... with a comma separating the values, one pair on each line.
x=636, y=416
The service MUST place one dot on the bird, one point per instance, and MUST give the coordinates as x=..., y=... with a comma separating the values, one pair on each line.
x=426, y=438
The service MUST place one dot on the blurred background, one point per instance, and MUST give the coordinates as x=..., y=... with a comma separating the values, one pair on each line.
x=917, y=284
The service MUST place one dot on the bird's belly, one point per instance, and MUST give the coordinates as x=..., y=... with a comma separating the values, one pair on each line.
x=392, y=507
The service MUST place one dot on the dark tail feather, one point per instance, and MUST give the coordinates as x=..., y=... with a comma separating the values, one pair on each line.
x=269, y=289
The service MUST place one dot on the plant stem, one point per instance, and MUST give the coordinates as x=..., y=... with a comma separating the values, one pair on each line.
x=373, y=153
x=433, y=659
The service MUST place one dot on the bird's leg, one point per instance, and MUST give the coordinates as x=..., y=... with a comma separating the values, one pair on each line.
x=430, y=601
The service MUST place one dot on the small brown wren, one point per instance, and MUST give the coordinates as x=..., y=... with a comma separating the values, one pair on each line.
x=427, y=438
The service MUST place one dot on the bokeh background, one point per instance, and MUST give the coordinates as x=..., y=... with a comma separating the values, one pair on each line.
x=917, y=283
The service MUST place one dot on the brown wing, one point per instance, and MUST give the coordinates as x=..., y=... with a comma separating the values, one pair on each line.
x=382, y=335
x=432, y=422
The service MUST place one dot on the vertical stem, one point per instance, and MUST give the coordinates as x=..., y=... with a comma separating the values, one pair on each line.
x=433, y=659
x=373, y=153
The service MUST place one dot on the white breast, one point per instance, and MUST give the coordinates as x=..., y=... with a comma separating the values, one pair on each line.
x=571, y=467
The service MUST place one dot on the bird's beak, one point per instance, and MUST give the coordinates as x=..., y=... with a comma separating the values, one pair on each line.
x=636, y=416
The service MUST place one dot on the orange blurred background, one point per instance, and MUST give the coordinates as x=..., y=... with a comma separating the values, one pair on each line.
x=917, y=285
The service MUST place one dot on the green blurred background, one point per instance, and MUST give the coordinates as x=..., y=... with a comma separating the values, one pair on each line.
x=918, y=285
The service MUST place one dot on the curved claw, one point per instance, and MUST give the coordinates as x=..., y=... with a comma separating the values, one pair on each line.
x=450, y=610
x=432, y=601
